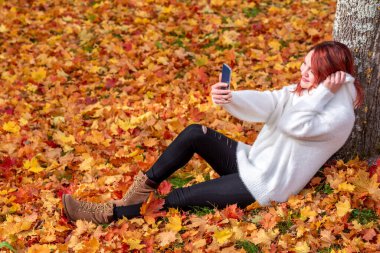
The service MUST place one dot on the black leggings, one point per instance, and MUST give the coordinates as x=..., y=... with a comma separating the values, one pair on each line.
x=219, y=151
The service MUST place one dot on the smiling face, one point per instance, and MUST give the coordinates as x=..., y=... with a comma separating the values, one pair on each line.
x=307, y=79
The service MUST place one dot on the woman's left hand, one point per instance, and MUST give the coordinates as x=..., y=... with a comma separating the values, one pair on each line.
x=334, y=81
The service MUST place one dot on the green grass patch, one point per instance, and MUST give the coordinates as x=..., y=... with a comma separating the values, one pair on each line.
x=201, y=211
x=178, y=182
x=284, y=226
x=248, y=246
x=7, y=245
x=324, y=188
x=363, y=216
x=251, y=12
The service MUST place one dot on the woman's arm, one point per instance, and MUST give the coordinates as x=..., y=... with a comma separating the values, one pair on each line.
x=310, y=119
x=247, y=105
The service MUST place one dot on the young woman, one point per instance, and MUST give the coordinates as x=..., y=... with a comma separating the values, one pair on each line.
x=305, y=124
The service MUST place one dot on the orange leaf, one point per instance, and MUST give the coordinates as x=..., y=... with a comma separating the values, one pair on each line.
x=150, y=142
x=90, y=246
x=269, y=221
x=232, y=211
x=369, y=234
x=150, y=209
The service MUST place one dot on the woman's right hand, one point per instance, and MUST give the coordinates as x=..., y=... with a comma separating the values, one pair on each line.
x=220, y=95
x=335, y=81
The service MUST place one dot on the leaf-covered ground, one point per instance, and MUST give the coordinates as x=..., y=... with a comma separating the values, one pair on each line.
x=93, y=91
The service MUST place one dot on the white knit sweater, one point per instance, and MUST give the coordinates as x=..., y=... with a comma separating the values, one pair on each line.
x=300, y=134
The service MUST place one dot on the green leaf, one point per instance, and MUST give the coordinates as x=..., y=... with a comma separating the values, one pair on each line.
x=211, y=42
x=363, y=216
x=179, y=182
x=158, y=45
x=7, y=245
x=284, y=226
x=325, y=188
x=248, y=246
x=116, y=35
x=201, y=210
x=178, y=42
x=283, y=43
x=251, y=12
x=91, y=17
x=334, y=247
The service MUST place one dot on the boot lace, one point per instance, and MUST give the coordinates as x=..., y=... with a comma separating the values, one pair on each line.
x=95, y=207
x=136, y=184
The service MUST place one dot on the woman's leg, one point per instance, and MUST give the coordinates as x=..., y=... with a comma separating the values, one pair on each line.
x=218, y=150
x=219, y=192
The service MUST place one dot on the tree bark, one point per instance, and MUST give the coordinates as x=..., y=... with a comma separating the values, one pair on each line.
x=357, y=25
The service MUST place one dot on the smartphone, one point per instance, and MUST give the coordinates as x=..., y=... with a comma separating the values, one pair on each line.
x=226, y=75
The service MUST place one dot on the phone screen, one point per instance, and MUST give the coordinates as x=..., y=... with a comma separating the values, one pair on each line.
x=226, y=75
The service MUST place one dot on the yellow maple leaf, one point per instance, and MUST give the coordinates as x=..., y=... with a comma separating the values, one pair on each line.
x=149, y=94
x=365, y=184
x=229, y=37
x=292, y=65
x=312, y=31
x=134, y=243
x=307, y=212
x=36, y=248
x=302, y=247
x=8, y=76
x=346, y=187
x=11, y=127
x=217, y=2
x=97, y=137
x=163, y=60
x=31, y=87
x=134, y=153
x=343, y=207
x=201, y=60
x=14, y=208
x=87, y=163
x=274, y=44
x=23, y=121
x=174, y=224
x=223, y=235
x=3, y=29
x=16, y=224
x=300, y=231
x=39, y=75
x=297, y=23
x=64, y=140
x=90, y=246
x=33, y=165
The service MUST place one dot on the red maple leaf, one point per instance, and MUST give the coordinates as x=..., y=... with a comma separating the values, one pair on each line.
x=164, y=188
x=232, y=211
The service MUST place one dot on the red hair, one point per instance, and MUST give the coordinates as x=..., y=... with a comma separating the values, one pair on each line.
x=329, y=57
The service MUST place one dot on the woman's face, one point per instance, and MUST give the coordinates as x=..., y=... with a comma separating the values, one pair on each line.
x=307, y=79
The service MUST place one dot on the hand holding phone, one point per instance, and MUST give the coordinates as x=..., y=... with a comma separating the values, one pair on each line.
x=226, y=75
x=221, y=94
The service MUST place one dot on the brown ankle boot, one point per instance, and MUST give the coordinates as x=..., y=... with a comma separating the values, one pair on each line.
x=80, y=210
x=138, y=192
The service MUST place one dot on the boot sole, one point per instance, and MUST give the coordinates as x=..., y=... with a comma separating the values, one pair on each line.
x=64, y=207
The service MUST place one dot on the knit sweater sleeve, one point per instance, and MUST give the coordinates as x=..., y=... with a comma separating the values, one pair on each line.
x=310, y=119
x=253, y=106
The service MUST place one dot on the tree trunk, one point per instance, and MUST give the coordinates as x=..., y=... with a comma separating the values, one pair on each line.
x=357, y=25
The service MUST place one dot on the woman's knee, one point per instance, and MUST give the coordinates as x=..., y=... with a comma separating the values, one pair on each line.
x=193, y=128
x=176, y=198
x=194, y=131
